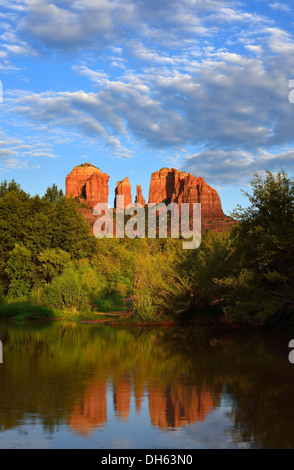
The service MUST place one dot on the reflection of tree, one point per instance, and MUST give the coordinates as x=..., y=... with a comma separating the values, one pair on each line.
x=263, y=411
x=59, y=374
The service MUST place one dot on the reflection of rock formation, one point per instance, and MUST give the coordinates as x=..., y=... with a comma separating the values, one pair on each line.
x=171, y=407
x=139, y=391
x=92, y=411
x=122, y=398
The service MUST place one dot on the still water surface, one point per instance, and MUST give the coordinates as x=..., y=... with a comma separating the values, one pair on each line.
x=93, y=386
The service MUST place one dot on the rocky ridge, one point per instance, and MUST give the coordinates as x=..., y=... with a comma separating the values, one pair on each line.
x=90, y=185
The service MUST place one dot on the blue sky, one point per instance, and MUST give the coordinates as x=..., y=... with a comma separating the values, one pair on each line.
x=136, y=85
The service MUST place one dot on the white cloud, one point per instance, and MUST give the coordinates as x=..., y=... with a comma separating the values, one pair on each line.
x=207, y=74
x=235, y=166
x=280, y=6
x=18, y=153
x=78, y=24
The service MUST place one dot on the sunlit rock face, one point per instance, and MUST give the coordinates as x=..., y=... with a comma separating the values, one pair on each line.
x=139, y=196
x=171, y=185
x=123, y=188
x=168, y=185
x=88, y=183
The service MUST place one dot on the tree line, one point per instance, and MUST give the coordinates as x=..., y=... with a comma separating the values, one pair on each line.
x=243, y=276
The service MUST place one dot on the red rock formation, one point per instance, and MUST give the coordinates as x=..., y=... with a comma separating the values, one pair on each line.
x=171, y=185
x=123, y=188
x=139, y=197
x=168, y=184
x=89, y=183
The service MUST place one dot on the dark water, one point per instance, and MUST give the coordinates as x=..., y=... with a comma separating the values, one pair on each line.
x=86, y=386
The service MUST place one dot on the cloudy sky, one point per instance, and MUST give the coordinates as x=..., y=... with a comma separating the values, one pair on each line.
x=136, y=85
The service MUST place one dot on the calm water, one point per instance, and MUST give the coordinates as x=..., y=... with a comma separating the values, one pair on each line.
x=89, y=386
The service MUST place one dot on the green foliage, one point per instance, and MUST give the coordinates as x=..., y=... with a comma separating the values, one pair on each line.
x=211, y=260
x=260, y=290
x=2, y=296
x=12, y=186
x=72, y=289
x=51, y=263
x=19, y=270
x=53, y=194
x=110, y=303
x=47, y=230
x=48, y=256
x=24, y=311
x=142, y=309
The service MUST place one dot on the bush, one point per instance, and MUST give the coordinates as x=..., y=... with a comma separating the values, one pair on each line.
x=110, y=303
x=67, y=292
x=24, y=311
x=142, y=309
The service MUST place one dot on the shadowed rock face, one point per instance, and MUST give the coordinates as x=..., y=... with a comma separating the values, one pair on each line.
x=171, y=185
x=139, y=196
x=123, y=188
x=88, y=182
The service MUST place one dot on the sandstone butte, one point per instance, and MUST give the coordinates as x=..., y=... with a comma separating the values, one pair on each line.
x=90, y=185
x=139, y=196
x=123, y=188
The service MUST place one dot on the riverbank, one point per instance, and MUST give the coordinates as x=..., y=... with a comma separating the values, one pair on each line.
x=209, y=318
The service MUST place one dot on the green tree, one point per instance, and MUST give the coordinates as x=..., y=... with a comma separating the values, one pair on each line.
x=20, y=271
x=52, y=262
x=12, y=186
x=74, y=289
x=53, y=194
x=260, y=290
x=208, y=262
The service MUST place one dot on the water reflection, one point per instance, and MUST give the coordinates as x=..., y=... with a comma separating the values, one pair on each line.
x=88, y=378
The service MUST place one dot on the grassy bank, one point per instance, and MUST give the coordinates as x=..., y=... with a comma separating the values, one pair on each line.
x=21, y=311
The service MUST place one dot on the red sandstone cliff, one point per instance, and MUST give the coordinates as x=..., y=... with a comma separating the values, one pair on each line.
x=123, y=188
x=88, y=182
x=139, y=196
x=171, y=185
x=168, y=184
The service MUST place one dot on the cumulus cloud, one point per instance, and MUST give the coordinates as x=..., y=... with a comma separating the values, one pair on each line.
x=206, y=74
x=226, y=101
x=78, y=24
x=236, y=166
x=74, y=25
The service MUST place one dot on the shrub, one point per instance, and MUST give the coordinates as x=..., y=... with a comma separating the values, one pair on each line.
x=24, y=311
x=142, y=309
x=110, y=303
x=67, y=292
